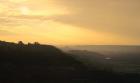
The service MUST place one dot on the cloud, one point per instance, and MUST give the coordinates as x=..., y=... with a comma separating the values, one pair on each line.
x=12, y=21
x=6, y=33
x=119, y=17
x=12, y=12
x=114, y=17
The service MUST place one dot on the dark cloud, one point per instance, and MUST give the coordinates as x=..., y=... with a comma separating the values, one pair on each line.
x=121, y=17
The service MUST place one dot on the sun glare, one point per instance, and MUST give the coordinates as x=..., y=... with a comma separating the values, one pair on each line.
x=24, y=10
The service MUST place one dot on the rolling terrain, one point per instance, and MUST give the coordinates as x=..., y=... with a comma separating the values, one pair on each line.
x=37, y=63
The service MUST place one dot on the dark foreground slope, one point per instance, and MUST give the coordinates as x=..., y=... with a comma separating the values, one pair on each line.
x=34, y=63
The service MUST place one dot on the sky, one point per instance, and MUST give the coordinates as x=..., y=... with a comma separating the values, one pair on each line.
x=71, y=22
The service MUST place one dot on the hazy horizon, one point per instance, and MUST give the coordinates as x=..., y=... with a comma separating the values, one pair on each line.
x=63, y=45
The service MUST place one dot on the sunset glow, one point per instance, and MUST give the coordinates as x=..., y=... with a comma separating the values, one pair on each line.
x=70, y=22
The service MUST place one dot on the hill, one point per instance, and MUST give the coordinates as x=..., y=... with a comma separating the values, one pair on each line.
x=37, y=63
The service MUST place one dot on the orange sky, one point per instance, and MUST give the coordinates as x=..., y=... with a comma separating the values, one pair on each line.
x=71, y=22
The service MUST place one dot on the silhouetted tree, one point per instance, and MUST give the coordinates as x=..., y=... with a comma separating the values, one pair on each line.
x=29, y=44
x=36, y=43
x=20, y=43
